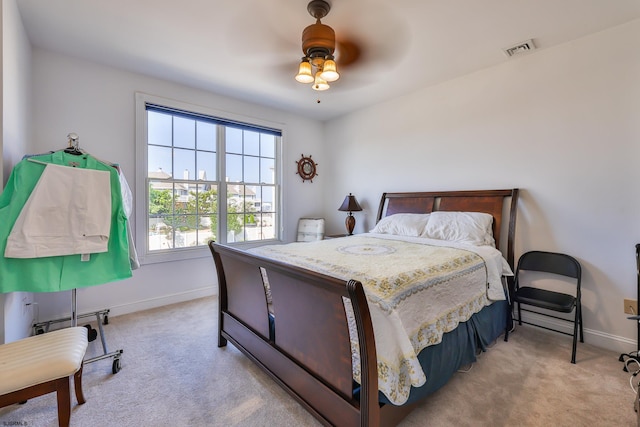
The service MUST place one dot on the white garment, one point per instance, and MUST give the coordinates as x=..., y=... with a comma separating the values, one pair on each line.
x=127, y=204
x=68, y=212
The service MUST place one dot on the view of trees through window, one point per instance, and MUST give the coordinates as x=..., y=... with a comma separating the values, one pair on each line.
x=189, y=201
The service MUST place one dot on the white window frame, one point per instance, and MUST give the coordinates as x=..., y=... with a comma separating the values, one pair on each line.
x=142, y=198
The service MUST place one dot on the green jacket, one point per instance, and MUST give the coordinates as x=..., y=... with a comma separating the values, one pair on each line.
x=59, y=273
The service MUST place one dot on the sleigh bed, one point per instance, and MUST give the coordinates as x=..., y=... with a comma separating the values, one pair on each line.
x=359, y=329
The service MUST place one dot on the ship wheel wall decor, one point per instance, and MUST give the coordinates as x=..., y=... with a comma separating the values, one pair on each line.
x=307, y=168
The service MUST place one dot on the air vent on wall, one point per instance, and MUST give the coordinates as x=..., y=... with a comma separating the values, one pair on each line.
x=520, y=48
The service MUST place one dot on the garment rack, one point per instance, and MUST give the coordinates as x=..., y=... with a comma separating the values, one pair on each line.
x=634, y=355
x=102, y=316
x=73, y=148
x=637, y=316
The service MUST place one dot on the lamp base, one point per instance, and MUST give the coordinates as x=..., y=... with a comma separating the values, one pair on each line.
x=350, y=223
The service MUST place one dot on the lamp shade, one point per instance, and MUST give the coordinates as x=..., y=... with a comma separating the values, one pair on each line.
x=319, y=83
x=329, y=71
x=304, y=72
x=350, y=204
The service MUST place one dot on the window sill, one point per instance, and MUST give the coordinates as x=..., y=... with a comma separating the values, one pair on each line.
x=175, y=255
x=198, y=252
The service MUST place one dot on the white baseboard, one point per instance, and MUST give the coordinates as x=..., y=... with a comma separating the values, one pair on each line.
x=147, y=304
x=600, y=339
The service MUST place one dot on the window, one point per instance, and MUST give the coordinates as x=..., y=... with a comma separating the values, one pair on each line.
x=205, y=177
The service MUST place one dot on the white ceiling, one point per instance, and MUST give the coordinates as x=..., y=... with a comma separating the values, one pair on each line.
x=249, y=49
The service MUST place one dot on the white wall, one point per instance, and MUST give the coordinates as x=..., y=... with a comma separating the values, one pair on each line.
x=15, y=319
x=97, y=102
x=561, y=124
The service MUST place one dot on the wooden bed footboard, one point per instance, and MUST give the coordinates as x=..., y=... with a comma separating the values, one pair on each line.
x=308, y=350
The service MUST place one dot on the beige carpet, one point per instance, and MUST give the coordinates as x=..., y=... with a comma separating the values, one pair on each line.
x=174, y=375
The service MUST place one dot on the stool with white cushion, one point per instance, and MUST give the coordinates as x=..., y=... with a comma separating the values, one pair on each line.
x=43, y=364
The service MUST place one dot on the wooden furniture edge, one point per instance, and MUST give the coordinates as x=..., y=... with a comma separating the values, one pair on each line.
x=62, y=388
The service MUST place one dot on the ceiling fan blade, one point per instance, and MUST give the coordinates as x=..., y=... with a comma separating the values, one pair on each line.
x=376, y=39
x=264, y=31
x=348, y=52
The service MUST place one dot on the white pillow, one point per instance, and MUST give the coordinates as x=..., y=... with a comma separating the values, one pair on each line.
x=402, y=224
x=467, y=227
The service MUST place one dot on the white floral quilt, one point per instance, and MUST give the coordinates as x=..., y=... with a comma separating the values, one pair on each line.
x=418, y=289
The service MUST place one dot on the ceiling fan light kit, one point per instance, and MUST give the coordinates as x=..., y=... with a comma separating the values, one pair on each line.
x=318, y=44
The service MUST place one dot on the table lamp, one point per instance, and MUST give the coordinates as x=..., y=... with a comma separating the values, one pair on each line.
x=350, y=204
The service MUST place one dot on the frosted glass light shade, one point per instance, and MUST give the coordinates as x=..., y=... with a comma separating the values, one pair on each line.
x=320, y=83
x=304, y=72
x=329, y=71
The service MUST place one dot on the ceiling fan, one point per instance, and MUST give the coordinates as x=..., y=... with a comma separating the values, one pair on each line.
x=318, y=65
x=366, y=38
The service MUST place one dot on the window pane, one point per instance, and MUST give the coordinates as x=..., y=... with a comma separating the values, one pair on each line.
x=184, y=164
x=159, y=128
x=256, y=200
x=191, y=200
x=266, y=227
x=235, y=228
x=234, y=168
x=235, y=198
x=251, y=143
x=159, y=162
x=234, y=195
x=204, y=236
x=268, y=199
x=160, y=198
x=184, y=132
x=251, y=198
x=233, y=140
x=207, y=208
x=251, y=169
x=160, y=233
x=206, y=162
x=207, y=200
x=180, y=237
x=267, y=171
x=180, y=198
x=265, y=217
x=267, y=145
x=207, y=137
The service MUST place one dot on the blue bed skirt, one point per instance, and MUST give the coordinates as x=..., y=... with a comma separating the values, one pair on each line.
x=457, y=349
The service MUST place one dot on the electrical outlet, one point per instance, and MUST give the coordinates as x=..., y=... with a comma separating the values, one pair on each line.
x=631, y=306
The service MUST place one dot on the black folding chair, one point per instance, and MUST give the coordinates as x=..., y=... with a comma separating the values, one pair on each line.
x=527, y=294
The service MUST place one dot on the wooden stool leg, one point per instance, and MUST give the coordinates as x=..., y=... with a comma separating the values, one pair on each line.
x=77, y=383
x=63, y=393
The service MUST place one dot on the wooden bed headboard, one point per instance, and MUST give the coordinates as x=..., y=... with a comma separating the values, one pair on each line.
x=494, y=202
